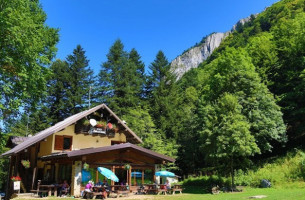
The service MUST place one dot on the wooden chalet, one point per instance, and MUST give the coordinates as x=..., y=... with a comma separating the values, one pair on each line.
x=60, y=152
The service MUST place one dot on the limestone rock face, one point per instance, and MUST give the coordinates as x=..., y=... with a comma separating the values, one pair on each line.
x=199, y=53
x=196, y=55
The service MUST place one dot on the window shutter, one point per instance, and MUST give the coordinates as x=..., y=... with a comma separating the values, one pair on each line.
x=59, y=142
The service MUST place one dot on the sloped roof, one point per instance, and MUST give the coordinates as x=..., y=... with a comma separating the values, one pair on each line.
x=88, y=151
x=65, y=123
x=15, y=140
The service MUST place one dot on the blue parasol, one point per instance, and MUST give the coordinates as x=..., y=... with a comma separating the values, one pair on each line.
x=136, y=174
x=108, y=174
x=165, y=173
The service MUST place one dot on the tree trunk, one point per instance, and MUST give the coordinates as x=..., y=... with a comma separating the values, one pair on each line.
x=232, y=174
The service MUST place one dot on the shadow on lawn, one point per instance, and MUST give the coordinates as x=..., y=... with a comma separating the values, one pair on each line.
x=195, y=190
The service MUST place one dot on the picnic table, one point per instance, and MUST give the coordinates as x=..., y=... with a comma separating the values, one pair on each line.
x=177, y=188
x=162, y=189
x=120, y=189
x=151, y=188
x=96, y=191
x=155, y=189
x=46, y=189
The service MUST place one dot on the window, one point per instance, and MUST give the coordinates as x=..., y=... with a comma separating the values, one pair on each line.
x=63, y=142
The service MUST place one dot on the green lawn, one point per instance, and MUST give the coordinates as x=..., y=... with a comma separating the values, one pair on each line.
x=271, y=193
x=274, y=194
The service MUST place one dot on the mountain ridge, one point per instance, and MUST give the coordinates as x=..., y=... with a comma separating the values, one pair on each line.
x=195, y=55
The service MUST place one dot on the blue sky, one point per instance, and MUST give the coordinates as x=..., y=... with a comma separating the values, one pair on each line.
x=146, y=25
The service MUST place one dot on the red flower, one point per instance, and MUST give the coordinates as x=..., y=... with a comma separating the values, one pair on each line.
x=15, y=178
x=109, y=125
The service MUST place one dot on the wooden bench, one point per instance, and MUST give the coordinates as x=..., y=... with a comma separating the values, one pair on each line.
x=39, y=190
x=121, y=192
x=164, y=191
x=149, y=190
x=89, y=195
x=177, y=188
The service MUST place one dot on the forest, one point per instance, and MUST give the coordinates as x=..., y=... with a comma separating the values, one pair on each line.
x=242, y=106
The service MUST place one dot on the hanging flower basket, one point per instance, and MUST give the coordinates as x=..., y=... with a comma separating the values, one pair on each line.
x=86, y=166
x=127, y=166
x=25, y=163
x=101, y=124
x=15, y=178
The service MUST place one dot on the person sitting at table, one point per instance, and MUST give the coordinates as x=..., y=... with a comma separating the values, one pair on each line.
x=99, y=183
x=64, y=187
x=106, y=187
x=88, y=187
x=168, y=185
x=105, y=183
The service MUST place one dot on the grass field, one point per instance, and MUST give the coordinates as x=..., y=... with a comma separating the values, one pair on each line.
x=271, y=193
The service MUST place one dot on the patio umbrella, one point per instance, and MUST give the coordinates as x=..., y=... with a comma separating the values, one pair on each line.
x=108, y=174
x=136, y=174
x=165, y=173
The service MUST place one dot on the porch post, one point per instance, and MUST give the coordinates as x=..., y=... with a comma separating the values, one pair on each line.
x=153, y=171
x=8, y=182
x=142, y=176
x=129, y=176
x=34, y=177
x=76, y=178
x=16, y=173
x=134, y=179
x=56, y=172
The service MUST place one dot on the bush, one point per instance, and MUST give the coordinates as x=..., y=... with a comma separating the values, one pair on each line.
x=205, y=183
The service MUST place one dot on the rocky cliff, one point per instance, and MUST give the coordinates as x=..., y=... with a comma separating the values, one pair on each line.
x=199, y=53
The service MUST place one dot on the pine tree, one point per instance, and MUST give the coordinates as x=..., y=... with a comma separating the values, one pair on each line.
x=139, y=76
x=110, y=75
x=68, y=86
x=57, y=97
x=158, y=70
x=163, y=96
x=81, y=79
x=121, y=79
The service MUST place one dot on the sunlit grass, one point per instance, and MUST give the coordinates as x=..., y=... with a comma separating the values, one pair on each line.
x=288, y=193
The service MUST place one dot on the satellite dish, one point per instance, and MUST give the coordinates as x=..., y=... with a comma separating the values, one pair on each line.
x=92, y=122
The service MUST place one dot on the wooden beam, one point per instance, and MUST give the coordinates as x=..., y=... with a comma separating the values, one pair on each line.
x=16, y=165
x=154, y=176
x=34, y=177
x=134, y=179
x=129, y=176
x=142, y=176
x=8, y=180
x=96, y=176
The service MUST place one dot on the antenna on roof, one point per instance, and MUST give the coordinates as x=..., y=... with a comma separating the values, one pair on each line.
x=89, y=96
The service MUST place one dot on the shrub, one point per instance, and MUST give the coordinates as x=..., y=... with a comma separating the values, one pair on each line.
x=205, y=183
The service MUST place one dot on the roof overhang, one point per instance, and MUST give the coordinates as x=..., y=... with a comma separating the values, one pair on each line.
x=109, y=149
